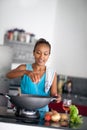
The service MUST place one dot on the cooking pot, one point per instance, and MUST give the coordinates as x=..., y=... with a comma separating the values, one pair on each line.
x=29, y=102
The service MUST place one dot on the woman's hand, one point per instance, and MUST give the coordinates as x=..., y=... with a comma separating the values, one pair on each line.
x=34, y=75
x=59, y=98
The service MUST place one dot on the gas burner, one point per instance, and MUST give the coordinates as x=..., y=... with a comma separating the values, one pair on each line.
x=26, y=112
x=29, y=114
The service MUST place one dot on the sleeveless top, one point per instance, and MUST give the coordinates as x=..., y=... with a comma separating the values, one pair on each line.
x=41, y=88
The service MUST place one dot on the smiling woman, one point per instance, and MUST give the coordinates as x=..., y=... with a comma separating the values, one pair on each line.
x=37, y=78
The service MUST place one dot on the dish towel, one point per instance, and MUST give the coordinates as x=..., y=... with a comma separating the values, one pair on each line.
x=49, y=78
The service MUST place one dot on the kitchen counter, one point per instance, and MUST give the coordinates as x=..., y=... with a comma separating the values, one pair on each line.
x=9, y=119
x=10, y=126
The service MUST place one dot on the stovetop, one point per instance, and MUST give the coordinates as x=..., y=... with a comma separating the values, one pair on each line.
x=9, y=117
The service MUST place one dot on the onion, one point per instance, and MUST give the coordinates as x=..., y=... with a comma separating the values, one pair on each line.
x=55, y=117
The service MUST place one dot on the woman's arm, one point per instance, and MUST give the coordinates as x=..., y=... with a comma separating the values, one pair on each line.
x=54, y=86
x=18, y=72
x=54, y=89
x=21, y=70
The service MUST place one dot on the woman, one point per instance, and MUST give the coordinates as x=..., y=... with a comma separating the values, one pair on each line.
x=37, y=78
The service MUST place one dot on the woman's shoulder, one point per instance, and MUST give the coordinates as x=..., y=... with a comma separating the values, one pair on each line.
x=21, y=67
x=25, y=67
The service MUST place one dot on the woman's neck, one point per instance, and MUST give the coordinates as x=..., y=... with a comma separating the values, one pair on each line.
x=36, y=67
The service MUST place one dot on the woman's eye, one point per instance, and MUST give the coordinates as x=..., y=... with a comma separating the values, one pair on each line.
x=38, y=52
x=46, y=54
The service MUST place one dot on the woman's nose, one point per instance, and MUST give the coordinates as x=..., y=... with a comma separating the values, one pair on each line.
x=41, y=55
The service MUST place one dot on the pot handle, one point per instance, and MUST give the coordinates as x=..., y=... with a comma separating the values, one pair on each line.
x=5, y=95
x=54, y=98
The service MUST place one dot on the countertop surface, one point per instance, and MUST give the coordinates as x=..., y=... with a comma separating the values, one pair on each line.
x=9, y=117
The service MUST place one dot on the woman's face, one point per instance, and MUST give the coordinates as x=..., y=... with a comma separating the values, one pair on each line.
x=41, y=54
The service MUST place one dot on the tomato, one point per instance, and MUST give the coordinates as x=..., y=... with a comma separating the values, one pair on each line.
x=47, y=117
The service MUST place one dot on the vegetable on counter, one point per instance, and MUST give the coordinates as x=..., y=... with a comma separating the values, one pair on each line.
x=75, y=118
x=47, y=116
x=52, y=116
x=55, y=116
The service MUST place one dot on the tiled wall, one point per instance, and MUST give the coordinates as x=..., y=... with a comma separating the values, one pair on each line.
x=79, y=86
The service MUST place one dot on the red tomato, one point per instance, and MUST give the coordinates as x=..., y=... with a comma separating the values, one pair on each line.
x=47, y=117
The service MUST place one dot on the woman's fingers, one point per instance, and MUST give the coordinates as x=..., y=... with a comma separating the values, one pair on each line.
x=59, y=98
x=35, y=76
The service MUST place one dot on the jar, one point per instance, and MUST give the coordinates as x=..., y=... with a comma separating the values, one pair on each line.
x=10, y=35
x=15, y=34
x=22, y=36
x=32, y=37
x=27, y=37
x=60, y=86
